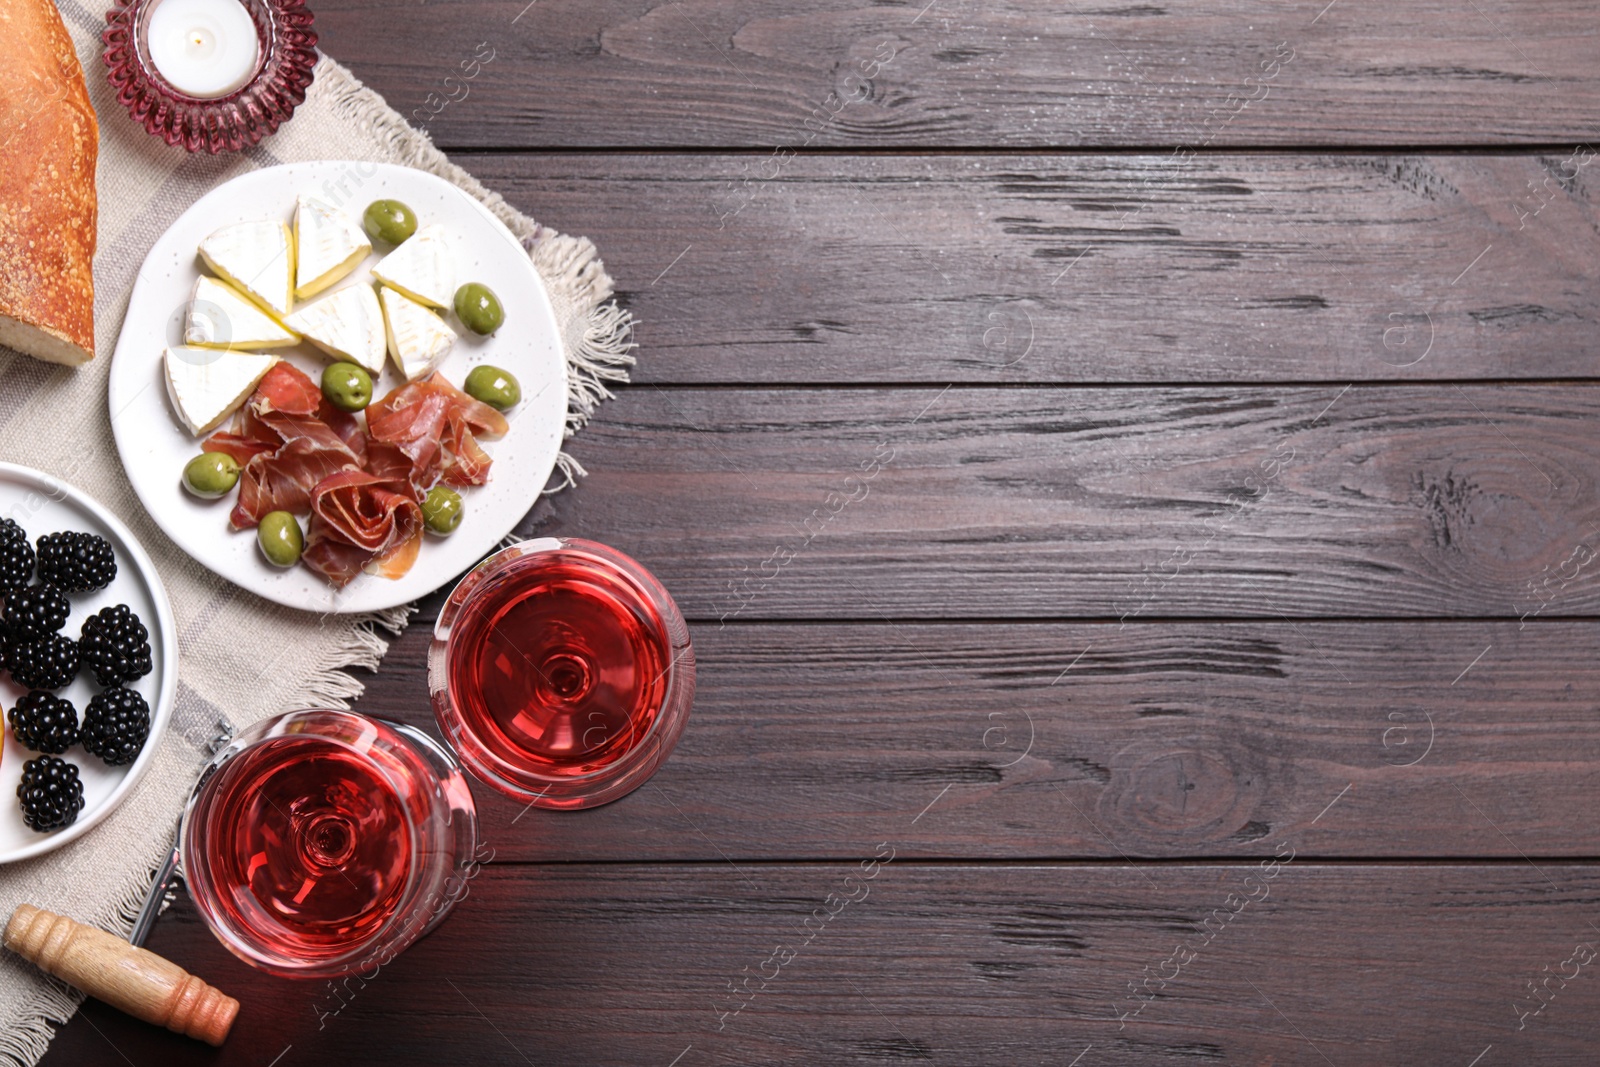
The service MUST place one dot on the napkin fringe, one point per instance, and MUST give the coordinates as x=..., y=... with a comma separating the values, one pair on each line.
x=49, y=1005
x=52, y=1001
x=330, y=686
x=601, y=351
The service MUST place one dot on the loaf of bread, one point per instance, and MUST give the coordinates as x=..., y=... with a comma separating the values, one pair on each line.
x=48, y=144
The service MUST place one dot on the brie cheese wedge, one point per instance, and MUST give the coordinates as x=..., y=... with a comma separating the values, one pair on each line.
x=258, y=258
x=418, y=339
x=207, y=384
x=328, y=245
x=218, y=317
x=422, y=268
x=348, y=324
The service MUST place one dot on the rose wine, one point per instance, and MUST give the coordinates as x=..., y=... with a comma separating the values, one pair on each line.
x=561, y=672
x=308, y=845
x=562, y=668
x=322, y=842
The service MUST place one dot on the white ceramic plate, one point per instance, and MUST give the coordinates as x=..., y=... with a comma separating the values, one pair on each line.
x=41, y=504
x=155, y=444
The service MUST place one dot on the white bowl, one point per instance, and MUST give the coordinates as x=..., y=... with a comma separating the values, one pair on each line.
x=42, y=504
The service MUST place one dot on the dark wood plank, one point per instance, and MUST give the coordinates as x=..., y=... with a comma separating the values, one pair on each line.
x=1143, y=268
x=817, y=535
x=993, y=964
x=1073, y=741
x=960, y=73
x=1099, y=503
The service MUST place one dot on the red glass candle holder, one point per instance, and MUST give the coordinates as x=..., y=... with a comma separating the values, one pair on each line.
x=286, y=56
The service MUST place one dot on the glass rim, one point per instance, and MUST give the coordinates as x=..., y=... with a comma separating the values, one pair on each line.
x=202, y=891
x=144, y=11
x=603, y=784
x=285, y=67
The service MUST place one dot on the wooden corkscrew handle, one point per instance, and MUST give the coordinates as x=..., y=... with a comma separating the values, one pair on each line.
x=128, y=978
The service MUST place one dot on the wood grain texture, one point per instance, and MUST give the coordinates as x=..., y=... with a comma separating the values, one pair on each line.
x=961, y=73
x=1089, y=528
x=997, y=965
x=1096, y=741
x=1122, y=503
x=1008, y=269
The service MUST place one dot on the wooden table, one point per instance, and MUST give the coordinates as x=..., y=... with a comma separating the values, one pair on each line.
x=1130, y=473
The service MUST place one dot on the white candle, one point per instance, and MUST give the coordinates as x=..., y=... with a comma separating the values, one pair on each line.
x=203, y=48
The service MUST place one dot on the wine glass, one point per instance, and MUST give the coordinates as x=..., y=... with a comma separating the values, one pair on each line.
x=561, y=672
x=323, y=842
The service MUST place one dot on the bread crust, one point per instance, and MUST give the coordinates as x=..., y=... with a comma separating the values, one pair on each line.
x=49, y=143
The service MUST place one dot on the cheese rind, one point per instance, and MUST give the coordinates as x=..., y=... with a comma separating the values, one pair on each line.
x=423, y=268
x=219, y=317
x=206, y=385
x=258, y=259
x=418, y=339
x=328, y=245
x=347, y=324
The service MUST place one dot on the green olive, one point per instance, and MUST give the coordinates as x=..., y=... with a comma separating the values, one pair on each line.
x=478, y=308
x=280, y=538
x=389, y=221
x=210, y=474
x=441, y=509
x=495, y=387
x=347, y=386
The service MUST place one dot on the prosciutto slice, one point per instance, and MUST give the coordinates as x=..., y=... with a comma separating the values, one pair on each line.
x=405, y=432
x=348, y=427
x=286, y=388
x=359, y=522
x=434, y=426
x=287, y=439
x=282, y=480
x=362, y=486
x=285, y=392
x=465, y=462
x=243, y=449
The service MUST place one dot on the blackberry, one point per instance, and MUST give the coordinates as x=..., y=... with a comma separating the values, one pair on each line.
x=115, y=725
x=16, y=556
x=36, y=610
x=115, y=645
x=51, y=793
x=44, y=722
x=49, y=662
x=76, y=562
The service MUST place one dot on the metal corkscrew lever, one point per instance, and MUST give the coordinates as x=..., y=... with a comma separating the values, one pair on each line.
x=167, y=873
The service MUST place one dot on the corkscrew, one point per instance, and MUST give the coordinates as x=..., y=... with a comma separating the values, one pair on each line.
x=163, y=888
x=121, y=973
x=127, y=977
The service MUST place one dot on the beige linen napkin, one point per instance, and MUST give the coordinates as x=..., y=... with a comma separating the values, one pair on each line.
x=56, y=419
